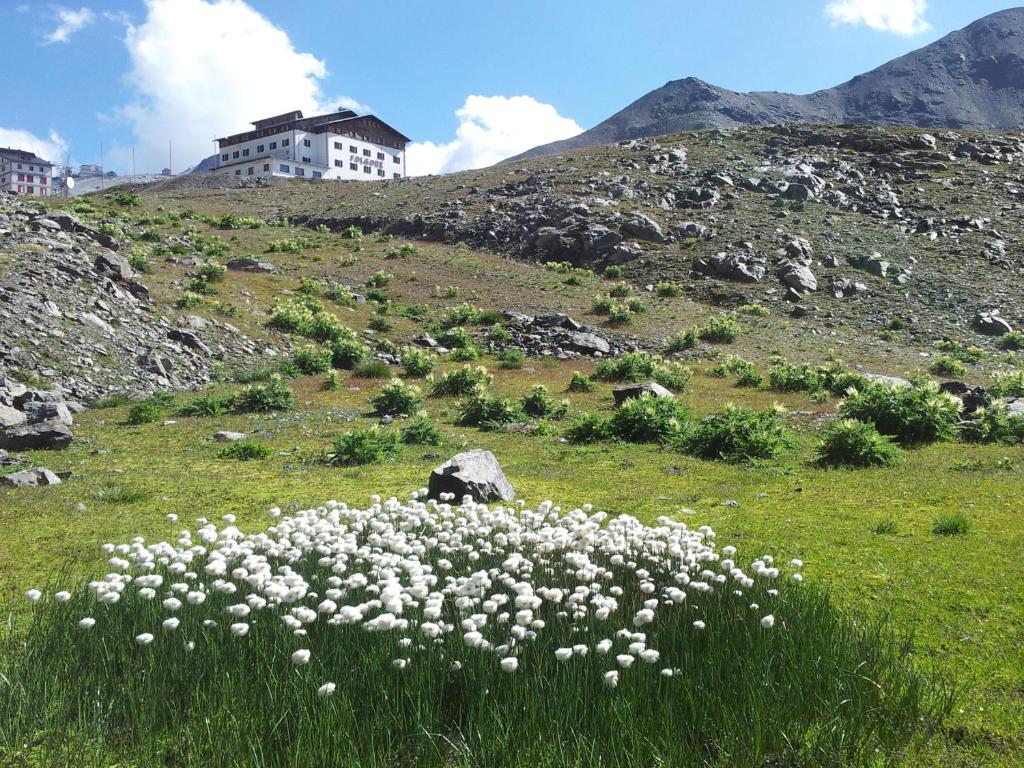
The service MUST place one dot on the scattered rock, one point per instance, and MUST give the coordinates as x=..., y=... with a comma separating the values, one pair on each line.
x=229, y=437
x=45, y=435
x=474, y=473
x=30, y=478
x=991, y=324
x=625, y=392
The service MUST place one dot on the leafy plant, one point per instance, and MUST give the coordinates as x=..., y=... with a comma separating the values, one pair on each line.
x=483, y=409
x=264, y=398
x=310, y=360
x=945, y=365
x=579, y=383
x=639, y=366
x=951, y=525
x=417, y=363
x=421, y=431
x=372, y=369
x=719, y=330
x=348, y=353
x=589, y=428
x=461, y=381
x=735, y=435
x=667, y=290
x=648, y=419
x=914, y=414
x=209, y=404
x=511, y=358
x=143, y=413
x=364, y=446
x=851, y=443
x=247, y=450
x=397, y=397
x=539, y=404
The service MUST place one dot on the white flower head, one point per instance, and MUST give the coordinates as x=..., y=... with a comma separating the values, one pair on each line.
x=509, y=664
x=325, y=690
x=301, y=657
x=144, y=639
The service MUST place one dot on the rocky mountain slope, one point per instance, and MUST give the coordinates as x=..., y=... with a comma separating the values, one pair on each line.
x=970, y=79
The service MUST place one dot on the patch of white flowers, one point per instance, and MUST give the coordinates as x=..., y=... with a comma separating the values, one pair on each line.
x=452, y=578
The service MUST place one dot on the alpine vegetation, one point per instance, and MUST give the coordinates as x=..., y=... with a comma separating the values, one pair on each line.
x=429, y=633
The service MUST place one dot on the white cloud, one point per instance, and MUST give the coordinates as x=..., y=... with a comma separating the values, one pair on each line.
x=205, y=68
x=69, y=22
x=52, y=148
x=904, y=17
x=491, y=128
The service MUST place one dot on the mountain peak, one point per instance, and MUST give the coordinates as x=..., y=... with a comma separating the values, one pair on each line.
x=972, y=78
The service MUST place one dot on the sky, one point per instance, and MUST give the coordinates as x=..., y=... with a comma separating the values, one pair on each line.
x=471, y=82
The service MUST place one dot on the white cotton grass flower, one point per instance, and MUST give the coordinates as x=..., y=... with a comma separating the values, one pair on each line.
x=509, y=664
x=171, y=624
x=624, y=660
x=33, y=595
x=611, y=678
x=563, y=654
x=62, y=597
x=399, y=664
x=144, y=639
x=699, y=624
x=650, y=656
x=667, y=672
x=325, y=690
x=301, y=657
x=240, y=629
x=171, y=604
x=87, y=623
x=768, y=621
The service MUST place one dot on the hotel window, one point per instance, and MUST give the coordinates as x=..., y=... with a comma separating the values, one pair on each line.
x=306, y=160
x=284, y=142
x=21, y=176
x=317, y=175
x=284, y=168
x=238, y=172
x=260, y=149
x=31, y=190
x=338, y=164
x=245, y=153
x=380, y=155
x=306, y=143
x=300, y=171
x=380, y=171
x=42, y=179
x=353, y=166
x=397, y=175
x=266, y=167
x=19, y=166
x=273, y=145
x=234, y=155
x=351, y=148
x=225, y=156
x=251, y=170
x=366, y=169
x=367, y=153
x=396, y=158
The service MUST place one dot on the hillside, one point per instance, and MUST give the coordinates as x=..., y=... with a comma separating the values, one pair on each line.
x=207, y=350
x=970, y=79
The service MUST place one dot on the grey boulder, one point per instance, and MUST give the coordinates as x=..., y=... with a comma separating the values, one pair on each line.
x=625, y=392
x=11, y=417
x=33, y=437
x=991, y=324
x=30, y=478
x=473, y=473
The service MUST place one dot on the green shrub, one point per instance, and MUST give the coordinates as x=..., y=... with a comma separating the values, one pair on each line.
x=602, y=305
x=461, y=381
x=945, y=365
x=208, y=404
x=579, y=383
x=380, y=324
x=619, y=290
x=310, y=360
x=682, y=341
x=735, y=435
x=417, y=363
x=463, y=314
x=331, y=382
x=307, y=317
x=200, y=286
x=951, y=525
x=294, y=245
x=613, y=272
x=994, y=425
x=851, y=443
x=667, y=290
x=498, y=335
x=143, y=413
x=372, y=369
x=1007, y=384
x=511, y=358
x=230, y=221
x=396, y=398
x=539, y=404
x=457, y=338
x=1012, y=341
x=264, y=398
x=482, y=409
x=466, y=354
x=138, y=259
x=719, y=330
x=364, y=446
x=589, y=428
x=380, y=279
x=115, y=400
x=648, y=419
x=125, y=199
x=640, y=366
x=753, y=310
x=620, y=315
x=636, y=306
x=421, y=431
x=786, y=377
x=352, y=233
x=914, y=414
x=347, y=354
x=247, y=450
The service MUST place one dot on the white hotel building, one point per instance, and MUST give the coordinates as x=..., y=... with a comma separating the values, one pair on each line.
x=340, y=145
x=24, y=173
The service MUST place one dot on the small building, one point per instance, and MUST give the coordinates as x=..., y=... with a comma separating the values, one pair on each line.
x=339, y=145
x=24, y=173
x=89, y=169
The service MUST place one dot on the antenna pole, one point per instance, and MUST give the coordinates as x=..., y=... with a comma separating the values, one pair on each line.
x=103, y=178
x=170, y=158
x=133, y=162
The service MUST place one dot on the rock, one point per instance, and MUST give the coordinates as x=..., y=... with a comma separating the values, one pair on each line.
x=115, y=267
x=10, y=391
x=798, y=277
x=474, y=473
x=625, y=392
x=229, y=437
x=745, y=266
x=188, y=339
x=991, y=324
x=971, y=398
x=1014, y=407
x=30, y=478
x=11, y=417
x=44, y=435
x=48, y=411
x=643, y=227
x=799, y=192
x=556, y=320
x=588, y=343
x=251, y=265
x=597, y=239
x=691, y=229
x=155, y=363
x=889, y=381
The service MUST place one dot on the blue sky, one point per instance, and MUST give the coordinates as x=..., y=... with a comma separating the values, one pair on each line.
x=138, y=73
